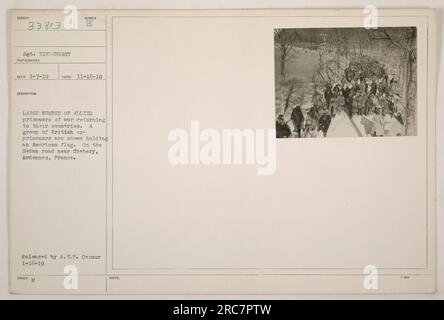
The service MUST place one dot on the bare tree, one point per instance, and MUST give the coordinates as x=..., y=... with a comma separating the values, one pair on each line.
x=291, y=86
x=405, y=42
x=285, y=40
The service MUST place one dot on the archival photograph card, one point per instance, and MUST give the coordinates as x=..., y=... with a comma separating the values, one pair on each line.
x=169, y=151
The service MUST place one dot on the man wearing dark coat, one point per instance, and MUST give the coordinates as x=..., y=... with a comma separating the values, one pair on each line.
x=328, y=93
x=324, y=123
x=298, y=118
x=346, y=92
x=373, y=88
x=282, y=129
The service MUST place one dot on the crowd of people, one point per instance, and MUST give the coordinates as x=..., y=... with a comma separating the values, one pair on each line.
x=375, y=98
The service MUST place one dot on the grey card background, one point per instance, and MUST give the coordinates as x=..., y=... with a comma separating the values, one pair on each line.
x=209, y=4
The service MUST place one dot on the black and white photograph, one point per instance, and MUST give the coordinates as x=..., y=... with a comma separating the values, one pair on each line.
x=345, y=82
x=141, y=160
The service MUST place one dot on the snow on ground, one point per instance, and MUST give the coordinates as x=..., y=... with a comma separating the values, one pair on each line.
x=358, y=126
x=342, y=126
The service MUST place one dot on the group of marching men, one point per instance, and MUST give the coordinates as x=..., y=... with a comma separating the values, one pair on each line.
x=376, y=98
